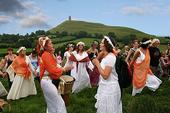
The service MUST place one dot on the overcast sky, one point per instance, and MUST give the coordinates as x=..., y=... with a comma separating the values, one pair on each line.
x=26, y=16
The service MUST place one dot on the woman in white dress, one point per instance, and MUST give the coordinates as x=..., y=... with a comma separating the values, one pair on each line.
x=142, y=75
x=108, y=94
x=23, y=82
x=80, y=60
x=68, y=53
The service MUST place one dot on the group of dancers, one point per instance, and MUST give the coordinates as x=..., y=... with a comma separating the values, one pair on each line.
x=89, y=68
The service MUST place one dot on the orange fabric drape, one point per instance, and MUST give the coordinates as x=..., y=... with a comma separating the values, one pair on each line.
x=48, y=63
x=21, y=67
x=141, y=70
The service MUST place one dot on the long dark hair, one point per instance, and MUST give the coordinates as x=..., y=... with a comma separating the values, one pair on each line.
x=108, y=46
x=144, y=46
x=77, y=49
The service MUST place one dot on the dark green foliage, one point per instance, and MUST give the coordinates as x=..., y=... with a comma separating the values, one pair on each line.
x=112, y=34
x=128, y=39
x=64, y=33
x=82, y=34
x=24, y=42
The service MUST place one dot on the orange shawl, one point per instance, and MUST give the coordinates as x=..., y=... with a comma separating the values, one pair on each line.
x=21, y=67
x=141, y=70
x=48, y=63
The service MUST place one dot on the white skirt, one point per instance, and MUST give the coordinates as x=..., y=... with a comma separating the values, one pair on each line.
x=3, y=91
x=82, y=79
x=108, y=99
x=55, y=103
x=152, y=83
x=21, y=87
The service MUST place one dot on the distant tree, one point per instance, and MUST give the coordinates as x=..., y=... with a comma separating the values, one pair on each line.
x=128, y=39
x=57, y=33
x=97, y=35
x=40, y=32
x=112, y=34
x=32, y=34
x=64, y=33
x=89, y=35
x=82, y=34
x=27, y=35
x=47, y=33
x=24, y=42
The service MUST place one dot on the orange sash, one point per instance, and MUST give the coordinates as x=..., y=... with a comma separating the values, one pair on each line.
x=21, y=67
x=141, y=70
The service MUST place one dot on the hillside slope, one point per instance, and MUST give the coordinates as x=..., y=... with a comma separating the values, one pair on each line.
x=92, y=28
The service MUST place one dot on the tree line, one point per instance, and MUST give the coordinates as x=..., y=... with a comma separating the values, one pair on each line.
x=29, y=40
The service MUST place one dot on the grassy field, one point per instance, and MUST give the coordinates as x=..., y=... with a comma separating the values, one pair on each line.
x=83, y=102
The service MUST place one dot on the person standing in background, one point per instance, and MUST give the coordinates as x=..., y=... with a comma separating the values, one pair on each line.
x=93, y=53
x=67, y=54
x=155, y=56
x=34, y=61
x=23, y=82
x=8, y=61
x=132, y=50
x=80, y=60
x=59, y=58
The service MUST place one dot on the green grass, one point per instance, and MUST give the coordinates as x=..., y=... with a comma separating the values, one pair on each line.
x=92, y=28
x=83, y=102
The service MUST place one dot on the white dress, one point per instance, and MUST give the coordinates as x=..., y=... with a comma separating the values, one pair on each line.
x=79, y=72
x=21, y=87
x=108, y=94
x=152, y=81
x=55, y=103
x=3, y=91
x=67, y=55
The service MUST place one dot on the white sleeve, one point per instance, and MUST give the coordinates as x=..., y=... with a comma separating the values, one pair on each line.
x=65, y=54
x=28, y=61
x=110, y=61
x=90, y=66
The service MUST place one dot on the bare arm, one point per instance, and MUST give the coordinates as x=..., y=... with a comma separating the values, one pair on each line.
x=136, y=55
x=104, y=72
x=128, y=56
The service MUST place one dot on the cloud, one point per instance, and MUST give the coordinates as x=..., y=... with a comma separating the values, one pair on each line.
x=4, y=19
x=146, y=7
x=11, y=6
x=36, y=21
x=25, y=12
x=128, y=10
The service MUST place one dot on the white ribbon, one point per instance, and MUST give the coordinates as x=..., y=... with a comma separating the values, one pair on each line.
x=21, y=48
x=109, y=41
x=80, y=43
x=146, y=42
x=43, y=39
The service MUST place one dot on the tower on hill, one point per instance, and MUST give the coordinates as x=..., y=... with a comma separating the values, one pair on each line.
x=69, y=18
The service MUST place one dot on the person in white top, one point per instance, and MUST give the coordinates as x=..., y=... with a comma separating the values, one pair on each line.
x=108, y=94
x=80, y=60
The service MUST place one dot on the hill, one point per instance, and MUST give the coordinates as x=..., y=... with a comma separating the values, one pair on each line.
x=92, y=28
